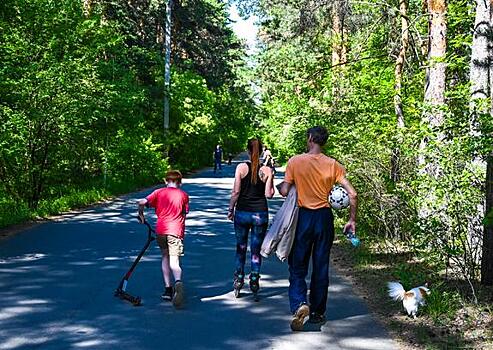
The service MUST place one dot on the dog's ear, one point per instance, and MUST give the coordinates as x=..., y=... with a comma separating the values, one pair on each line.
x=424, y=292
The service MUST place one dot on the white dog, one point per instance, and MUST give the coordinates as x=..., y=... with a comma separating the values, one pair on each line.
x=411, y=299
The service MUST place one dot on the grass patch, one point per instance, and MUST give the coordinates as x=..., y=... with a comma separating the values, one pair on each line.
x=448, y=321
x=74, y=199
x=64, y=199
x=442, y=304
x=13, y=212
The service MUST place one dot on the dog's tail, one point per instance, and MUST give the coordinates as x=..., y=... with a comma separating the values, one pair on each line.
x=396, y=290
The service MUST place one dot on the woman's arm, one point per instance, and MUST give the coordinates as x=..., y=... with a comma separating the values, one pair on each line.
x=235, y=193
x=269, y=181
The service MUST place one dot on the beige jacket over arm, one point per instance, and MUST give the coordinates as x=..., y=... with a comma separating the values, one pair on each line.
x=280, y=236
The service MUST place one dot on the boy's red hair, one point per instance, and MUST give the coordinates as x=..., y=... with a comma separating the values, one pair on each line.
x=174, y=176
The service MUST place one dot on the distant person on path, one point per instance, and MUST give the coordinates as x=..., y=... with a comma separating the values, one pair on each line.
x=314, y=175
x=230, y=158
x=266, y=156
x=268, y=159
x=218, y=158
x=248, y=209
x=171, y=205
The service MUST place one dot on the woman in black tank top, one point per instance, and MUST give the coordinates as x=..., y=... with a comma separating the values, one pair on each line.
x=248, y=209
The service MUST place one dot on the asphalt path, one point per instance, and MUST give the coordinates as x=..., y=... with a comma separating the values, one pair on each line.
x=57, y=281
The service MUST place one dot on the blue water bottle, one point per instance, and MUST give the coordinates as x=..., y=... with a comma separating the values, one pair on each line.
x=352, y=238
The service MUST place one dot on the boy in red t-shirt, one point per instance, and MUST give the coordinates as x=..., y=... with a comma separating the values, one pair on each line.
x=171, y=206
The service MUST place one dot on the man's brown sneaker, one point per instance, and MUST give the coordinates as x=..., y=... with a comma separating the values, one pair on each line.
x=179, y=295
x=299, y=317
x=317, y=318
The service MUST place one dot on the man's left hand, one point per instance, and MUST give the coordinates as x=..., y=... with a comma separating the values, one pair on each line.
x=350, y=226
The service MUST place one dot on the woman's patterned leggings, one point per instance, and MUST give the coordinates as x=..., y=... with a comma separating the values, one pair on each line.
x=244, y=222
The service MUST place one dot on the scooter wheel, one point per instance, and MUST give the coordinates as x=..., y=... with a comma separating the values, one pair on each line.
x=237, y=293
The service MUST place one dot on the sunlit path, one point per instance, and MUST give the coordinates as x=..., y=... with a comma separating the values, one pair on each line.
x=57, y=282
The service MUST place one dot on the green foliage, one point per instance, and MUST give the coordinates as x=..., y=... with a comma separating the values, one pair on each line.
x=12, y=212
x=81, y=98
x=73, y=199
x=355, y=101
x=135, y=159
x=411, y=276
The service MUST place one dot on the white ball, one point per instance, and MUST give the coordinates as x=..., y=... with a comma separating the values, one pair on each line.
x=338, y=198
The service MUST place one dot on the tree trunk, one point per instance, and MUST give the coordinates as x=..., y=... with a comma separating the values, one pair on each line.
x=435, y=80
x=434, y=99
x=487, y=257
x=480, y=80
x=87, y=4
x=339, y=45
x=399, y=68
x=479, y=67
x=437, y=46
x=167, y=64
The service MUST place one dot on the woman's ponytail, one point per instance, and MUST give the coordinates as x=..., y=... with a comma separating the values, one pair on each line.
x=254, y=147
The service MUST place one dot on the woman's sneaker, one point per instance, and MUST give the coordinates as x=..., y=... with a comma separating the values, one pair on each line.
x=168, y=294
x=299, y=316
x=179, y=295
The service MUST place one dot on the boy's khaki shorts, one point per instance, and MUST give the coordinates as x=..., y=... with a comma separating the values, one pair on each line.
x=170, y=244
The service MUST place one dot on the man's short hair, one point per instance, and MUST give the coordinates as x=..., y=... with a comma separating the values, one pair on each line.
x=319, y=135
x=174, y=176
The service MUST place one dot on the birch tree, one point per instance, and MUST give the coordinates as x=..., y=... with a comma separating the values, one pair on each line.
x=487, y=256
x=479, y=67
x=435, y=74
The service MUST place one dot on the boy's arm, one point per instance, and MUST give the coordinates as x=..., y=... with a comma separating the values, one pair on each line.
x=142, y=203
x=186, y=207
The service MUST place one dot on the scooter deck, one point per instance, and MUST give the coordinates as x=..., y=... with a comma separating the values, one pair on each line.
x=135, y=301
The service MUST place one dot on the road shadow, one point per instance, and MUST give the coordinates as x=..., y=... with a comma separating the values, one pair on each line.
x=57, y=282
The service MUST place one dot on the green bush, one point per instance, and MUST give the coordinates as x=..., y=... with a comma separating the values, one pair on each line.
x=411, y=275
x=72, y=200
x=13, y=212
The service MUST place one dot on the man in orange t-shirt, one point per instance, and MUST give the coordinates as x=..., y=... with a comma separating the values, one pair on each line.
x=314, y=174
